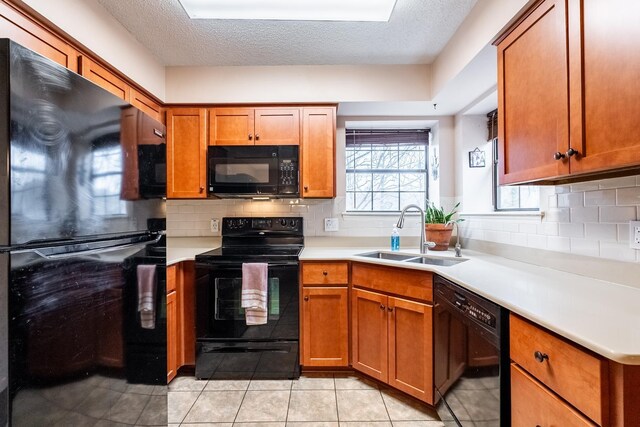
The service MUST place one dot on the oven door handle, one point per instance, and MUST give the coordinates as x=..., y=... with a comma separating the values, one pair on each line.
x=238, y=265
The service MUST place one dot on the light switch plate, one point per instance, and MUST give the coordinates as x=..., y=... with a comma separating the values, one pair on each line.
x=215, y=225
x=634, y=234
x=331, y=224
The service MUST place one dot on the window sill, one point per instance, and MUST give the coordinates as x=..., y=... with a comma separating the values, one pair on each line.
x=504, y=214
x=393, y=214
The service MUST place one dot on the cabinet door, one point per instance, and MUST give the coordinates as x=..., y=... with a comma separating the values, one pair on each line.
x=231, y=126
x=369, y=333
x=187, y=300
x=411, y=348
x=186, y=153
x=172, y=335
x=25, y=31
x=325, y=327
x=277, y=126
x=604, y=118
x=147, y=105
x=532, y=404
x=318, y=152
x=533, y=106
x=104, y=78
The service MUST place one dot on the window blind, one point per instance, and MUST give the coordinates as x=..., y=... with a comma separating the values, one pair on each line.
x=390, y=136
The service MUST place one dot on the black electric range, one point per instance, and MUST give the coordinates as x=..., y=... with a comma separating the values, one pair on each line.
x=226, y=347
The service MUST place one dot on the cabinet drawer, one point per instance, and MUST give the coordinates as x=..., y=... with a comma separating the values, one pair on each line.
x=325, y=273
x=397, y=281
x=575, y=374
x=532, y=404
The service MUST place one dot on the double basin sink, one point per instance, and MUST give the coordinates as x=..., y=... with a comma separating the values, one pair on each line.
x=417, y=259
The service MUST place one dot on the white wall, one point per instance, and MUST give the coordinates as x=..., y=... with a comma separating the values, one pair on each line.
x=473, y=185
x=90, y=24
x=309, y=83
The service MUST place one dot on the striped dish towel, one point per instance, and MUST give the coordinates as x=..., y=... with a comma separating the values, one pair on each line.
x=147, y=295
x=254, y=292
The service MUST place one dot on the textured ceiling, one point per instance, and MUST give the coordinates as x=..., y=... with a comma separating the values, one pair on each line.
x=416, y=33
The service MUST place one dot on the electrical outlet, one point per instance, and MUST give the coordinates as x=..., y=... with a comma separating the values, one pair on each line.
x=634, y=234
x=215, y=225
x=331, y=224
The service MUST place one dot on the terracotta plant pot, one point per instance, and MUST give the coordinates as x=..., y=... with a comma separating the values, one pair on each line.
x=440, y=234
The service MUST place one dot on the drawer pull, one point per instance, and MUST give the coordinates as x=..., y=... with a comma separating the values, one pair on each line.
x=324, y=273
x=390, y=308
x=306, y=298
x=382, y=307
x=541, y=357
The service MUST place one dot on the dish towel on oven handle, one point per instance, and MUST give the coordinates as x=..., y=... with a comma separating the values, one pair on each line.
x=254, y=292
x=146, y=275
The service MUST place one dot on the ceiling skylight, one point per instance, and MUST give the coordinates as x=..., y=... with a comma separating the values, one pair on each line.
x=291, y=10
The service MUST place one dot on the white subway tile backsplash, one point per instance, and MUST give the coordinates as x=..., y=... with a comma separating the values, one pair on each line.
x=623, y=233
x=571, y=230
x=581, y=215
x=617, y=213
x=559, y=214
x=584, y=186
x=552, y=201
x=600, y=198
x=497, y=236
x=537, y=241
x=596, y=231
x=519, y=239
x=585, y=247
x=628, y=196
x=528, y=227
x=626, y=181
x=562, y=189
x=567, y=200
x=617, y=251
x=560, y=244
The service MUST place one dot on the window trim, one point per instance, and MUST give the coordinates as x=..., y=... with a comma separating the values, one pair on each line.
x=496, y=185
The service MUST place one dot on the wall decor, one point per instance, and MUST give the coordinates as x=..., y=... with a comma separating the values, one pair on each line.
x=476, y=158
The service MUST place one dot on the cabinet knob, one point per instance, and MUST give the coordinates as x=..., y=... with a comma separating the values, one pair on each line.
x=201, y=189
x=306, y=298
x=571, y=152
x=541, y=357
x=257, y=136
x=324, y=273
x=558, y=156
x=250, y=137
x=390, y=308
x=306, y=188
x=382, y=307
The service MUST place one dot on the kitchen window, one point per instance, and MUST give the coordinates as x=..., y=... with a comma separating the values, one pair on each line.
x=106, y=180
x=513, y=197
x=386, y=169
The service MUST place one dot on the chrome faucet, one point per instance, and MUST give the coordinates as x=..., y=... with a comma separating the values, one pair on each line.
x=424, y=246
x=457, y=247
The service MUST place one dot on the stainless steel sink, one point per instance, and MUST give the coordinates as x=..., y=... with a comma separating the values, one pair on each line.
x=445, y=262
x=387, y=255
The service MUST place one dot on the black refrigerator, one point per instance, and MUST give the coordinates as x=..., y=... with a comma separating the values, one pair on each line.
x=82, y=180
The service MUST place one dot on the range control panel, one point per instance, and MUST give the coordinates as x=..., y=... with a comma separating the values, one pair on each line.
x=261, y=225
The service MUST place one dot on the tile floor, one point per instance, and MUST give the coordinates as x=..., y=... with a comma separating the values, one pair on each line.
x=321, y=400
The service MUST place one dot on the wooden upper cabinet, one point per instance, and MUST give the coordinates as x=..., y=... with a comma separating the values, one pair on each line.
x=231, y=126
x=369, y=333
x=186, y=153
x=533, y=106
x=104, y=78
x=325, y=327
x=277, y=126
x=146, y=104
x=604, y=118
x=318, y=153
x=27, y=32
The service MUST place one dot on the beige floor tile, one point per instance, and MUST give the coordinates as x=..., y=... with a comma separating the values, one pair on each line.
x=108, y=423
x=312, y=424
x=98, y=402
x=187, y=384
x=312, y=405
x=271, y=424
x=155, y=413
x=361, y=405
x=160, y=390
x=206, y=425
x=74, y=419
x=418, y=424
x=179, y=403
x=314, y=382
x=140, y=389
x=270, y=385
x=128, y=408
x=215, y=406
x=365, y=424
x=403, y=408
x=354, y=383
x=226, y=385
x=264, y=406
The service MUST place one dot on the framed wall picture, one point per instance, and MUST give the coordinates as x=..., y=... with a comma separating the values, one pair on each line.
x=476, y=158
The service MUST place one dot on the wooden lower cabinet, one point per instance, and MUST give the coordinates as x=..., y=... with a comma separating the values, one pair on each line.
x=172, y=336
x=325, y=326
x=392, y=341
x=532, y=404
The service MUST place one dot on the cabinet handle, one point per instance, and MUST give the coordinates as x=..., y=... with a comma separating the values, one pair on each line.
x=558, y=156
x=324, y=273
x=571, y=152
x=306, y=188
x=306, y=298
x=257, y=136
x=250, y=137
x=541, y=357
x=390, y=308
x=201, y=189
x=382, y=307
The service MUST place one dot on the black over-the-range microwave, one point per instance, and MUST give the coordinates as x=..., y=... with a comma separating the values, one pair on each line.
x=253, y=171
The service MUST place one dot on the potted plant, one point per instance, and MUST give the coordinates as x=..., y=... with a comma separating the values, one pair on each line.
x=439, y=225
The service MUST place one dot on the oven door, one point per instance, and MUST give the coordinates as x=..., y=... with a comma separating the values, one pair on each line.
x=219, y=312
x=243, y=170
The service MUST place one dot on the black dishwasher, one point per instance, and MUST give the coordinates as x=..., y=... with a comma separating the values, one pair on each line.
x=471, y=358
